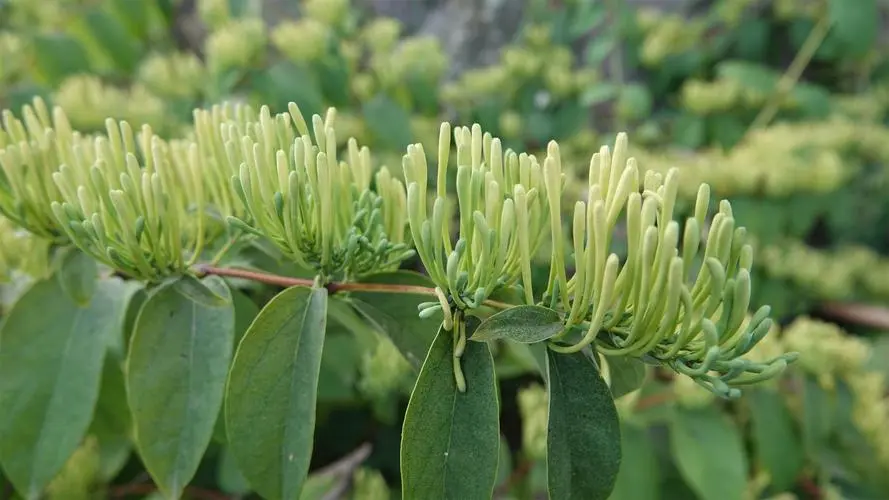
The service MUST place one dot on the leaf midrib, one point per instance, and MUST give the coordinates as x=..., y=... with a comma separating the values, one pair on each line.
x=287, y=427
x=180, y=452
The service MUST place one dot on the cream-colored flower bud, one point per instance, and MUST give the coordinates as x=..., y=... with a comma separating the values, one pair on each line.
x=236, y=44
x=303, y=40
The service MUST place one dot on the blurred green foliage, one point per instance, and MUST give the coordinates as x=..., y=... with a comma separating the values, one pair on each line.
x=781, y=106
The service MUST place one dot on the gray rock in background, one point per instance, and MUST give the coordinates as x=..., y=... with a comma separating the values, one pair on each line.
x=471, y=31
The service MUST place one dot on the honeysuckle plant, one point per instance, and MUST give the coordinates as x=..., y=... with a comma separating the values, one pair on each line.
x=160, y=311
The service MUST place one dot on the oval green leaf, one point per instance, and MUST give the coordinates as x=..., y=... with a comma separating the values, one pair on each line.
x=50, y=371
x=709, y=453
x=583, y=432
x=272, y=392
x=525, y=324
x=396, y=315
x=176, y=368
x=450, y=441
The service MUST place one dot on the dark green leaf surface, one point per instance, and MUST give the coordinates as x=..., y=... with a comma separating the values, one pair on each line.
x=450, y=440
x=525, y=324
x=709, y=453
x=179, y=356
x=272, y=392
x=395, y=314
x=583, y=432
x=775, y=437
x=50, y=371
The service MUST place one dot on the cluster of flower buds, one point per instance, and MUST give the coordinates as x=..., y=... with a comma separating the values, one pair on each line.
x=503, y=212
x=655, y=305
x=318, y=210
x=137, y=203
x=31, y=150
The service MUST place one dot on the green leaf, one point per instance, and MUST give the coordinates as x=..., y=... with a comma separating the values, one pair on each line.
x=450, y=441
x=599, y=93
x=583, y=432
x=635, y=101
x=640, y=479
x=245, y=312
x=78, y=275
x=229, y=476
x=112, y=37
x=855, y=24
x=599, y=48
x=819, y=409
x=112, y=425
x=689, y=131
x=709, y=453
x=525, y=324
x=775, y=437
x=588, y=16
x=626, y=374
x=178, y=359
x=275, y=87
x=50, y=372
x=57, y=56
x=272, y=392
x=396, y=315
x=388, y=123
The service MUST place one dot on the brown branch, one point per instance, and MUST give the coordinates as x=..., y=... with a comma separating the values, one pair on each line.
x=861, y=314
x=524, y=467
x=332, y=287
x=654, y=400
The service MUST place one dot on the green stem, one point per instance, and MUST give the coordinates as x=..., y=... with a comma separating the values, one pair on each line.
x=332, y=287
x=793, y=73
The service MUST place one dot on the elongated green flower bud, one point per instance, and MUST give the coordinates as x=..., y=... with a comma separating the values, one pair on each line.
x=292, y=188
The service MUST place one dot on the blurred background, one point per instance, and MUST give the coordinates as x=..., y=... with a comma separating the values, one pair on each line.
x=782, y=106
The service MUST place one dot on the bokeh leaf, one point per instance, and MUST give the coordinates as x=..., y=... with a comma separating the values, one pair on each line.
x=855, y=23
x=625, y=374
x=396, y=315
x=640, y=478
x=388, y=123
x=709, y=453
x=777, y=442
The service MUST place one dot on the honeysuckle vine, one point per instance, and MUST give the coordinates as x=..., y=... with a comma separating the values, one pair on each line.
x=165, y=212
